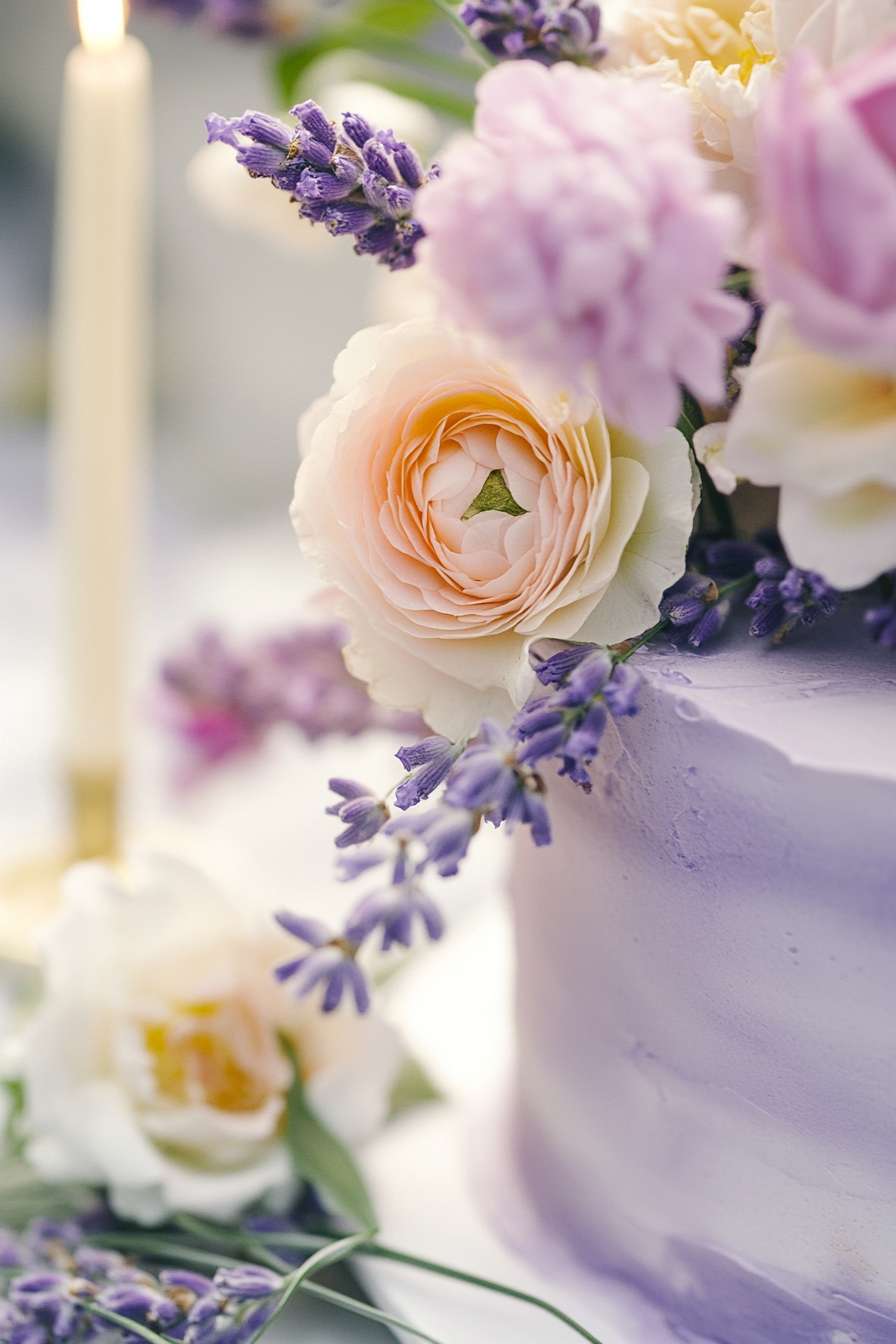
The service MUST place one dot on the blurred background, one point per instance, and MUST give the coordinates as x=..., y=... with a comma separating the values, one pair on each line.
x=248, y=318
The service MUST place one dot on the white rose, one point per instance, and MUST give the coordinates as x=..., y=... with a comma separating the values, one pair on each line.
x=444, y=596
x=825, y=432
x=152, y=1065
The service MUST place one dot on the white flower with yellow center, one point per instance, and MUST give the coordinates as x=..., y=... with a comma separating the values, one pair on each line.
x=153, y=1065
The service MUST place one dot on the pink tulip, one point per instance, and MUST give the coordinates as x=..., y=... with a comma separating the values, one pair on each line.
x=827, y=239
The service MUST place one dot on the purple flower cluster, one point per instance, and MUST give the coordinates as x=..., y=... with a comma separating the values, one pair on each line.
x=221, y=700
x=568, y=724
x=537, y=30
x=349, y=177
x=66, y=1285
x=236, y=18
x=881, y=620
x=786, y=596
x=698, y=605
x=492, y=778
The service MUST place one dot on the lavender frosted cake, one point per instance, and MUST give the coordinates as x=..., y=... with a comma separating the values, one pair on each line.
x=706, y=1000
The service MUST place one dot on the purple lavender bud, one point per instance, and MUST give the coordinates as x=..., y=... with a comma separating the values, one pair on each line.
x=555, y=669
x=377, y=160
x=770, y=568
x=380, y=239
x=350, y=866
x=394, y=201
x=881, y=622
x=535, y=716
x=314, y=120
x=732, y=559
x=541, y=745
x=685, y=610
x=311, y=931
x=348, y=976
x=358, y=130
x=363, y=817
x=429, y=760
x=254, y=1320
x=186, y=1278
x=93, y=1263
x=265, y=130
x=243, y=1283
x=259, y=160
x=588, y=678
x=710, y=623
x=314, y=151
x=12, y=1254
x=316, y=186
x=223, y=129
x=140, y=1302
x=622, y=690
x=408, y=164
x=348, y=217
x=764, y=592
x=446, y=831
x=768, y=619
x=347, y=789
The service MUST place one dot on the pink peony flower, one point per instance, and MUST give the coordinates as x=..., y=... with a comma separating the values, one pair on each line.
x=578, y=232
x=827, y=243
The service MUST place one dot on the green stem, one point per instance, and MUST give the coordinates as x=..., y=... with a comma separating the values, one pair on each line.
x=363, y=1309
x=125, y=1322
x=739, y=281
x=327, y=1255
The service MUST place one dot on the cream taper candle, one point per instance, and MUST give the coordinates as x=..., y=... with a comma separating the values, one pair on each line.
x=99, y=394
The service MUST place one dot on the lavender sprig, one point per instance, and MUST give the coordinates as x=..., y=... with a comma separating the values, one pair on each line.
x=539, y=30
x=221, y=700
x=786, y=596
x=347, y=176
x=235, y=18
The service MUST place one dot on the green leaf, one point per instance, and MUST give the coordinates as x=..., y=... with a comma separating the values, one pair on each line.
x=24, y=1196
x=691, y=418
x=406, y=17
x=318, y=1156
x=495, y=494
x=412, y=1087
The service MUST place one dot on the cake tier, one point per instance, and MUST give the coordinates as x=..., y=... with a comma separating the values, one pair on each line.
x=706, y=1099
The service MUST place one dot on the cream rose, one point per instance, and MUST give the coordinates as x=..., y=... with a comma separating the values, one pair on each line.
x=152, y=1065
x=825, y=432
x=462, y=519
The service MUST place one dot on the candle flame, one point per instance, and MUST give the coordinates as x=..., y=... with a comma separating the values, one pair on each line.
x=102, y=23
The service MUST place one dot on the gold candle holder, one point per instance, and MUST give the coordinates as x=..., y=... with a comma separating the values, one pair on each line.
x=93, y=799
x=29, y=891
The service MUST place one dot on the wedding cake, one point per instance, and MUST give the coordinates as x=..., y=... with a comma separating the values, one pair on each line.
x=706, y=1032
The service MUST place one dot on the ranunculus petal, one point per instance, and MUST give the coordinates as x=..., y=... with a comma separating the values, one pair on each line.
x=444, y=601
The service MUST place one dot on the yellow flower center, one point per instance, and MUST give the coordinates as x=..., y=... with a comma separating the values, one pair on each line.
x=216, y=1054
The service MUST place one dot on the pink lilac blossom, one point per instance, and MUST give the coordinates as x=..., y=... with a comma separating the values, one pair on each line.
x=827, y=240
x=578, y=231
x=221, y=700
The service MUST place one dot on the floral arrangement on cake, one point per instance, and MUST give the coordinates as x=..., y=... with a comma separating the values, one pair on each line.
x=664, y=268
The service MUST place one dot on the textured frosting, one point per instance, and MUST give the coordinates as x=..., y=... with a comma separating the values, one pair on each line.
x=706, y=1097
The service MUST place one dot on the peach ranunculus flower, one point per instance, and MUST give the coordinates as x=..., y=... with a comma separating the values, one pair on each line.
x=462, y=519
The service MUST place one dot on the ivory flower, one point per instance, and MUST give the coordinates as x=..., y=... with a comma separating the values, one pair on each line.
x=826, y=433
x=153, y=1066
x=463, y=519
